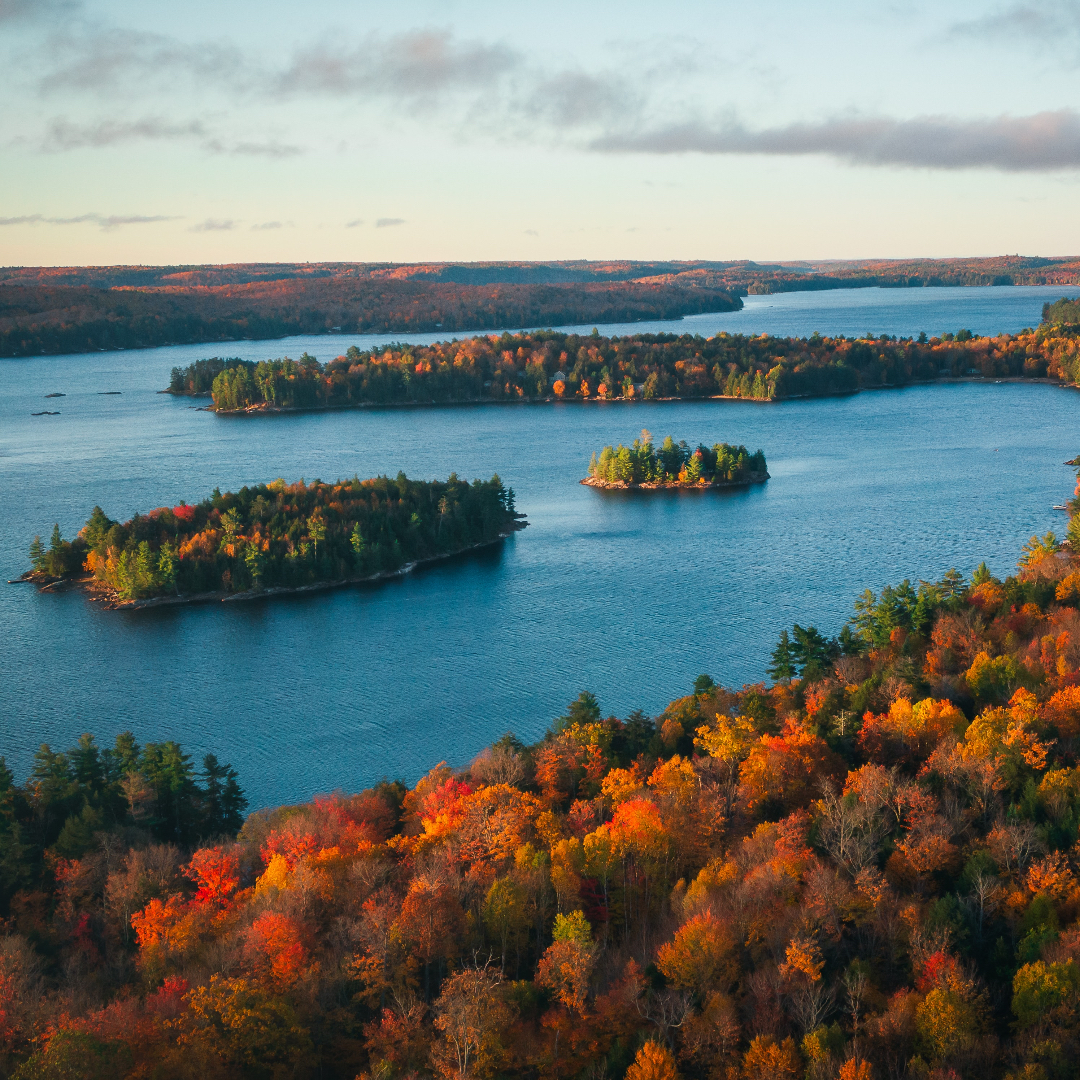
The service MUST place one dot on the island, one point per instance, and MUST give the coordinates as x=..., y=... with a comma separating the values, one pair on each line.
x=675, y=465
x=553, y=367
x=276, y=538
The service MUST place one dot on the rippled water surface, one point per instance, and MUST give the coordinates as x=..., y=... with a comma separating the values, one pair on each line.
x=631, y=597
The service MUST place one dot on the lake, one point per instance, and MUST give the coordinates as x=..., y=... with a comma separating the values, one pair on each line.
x=630, y=597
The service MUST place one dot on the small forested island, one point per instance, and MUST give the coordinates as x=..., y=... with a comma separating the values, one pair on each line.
x=675, y=465
x=865, y=868
x=276, y=538
x=547, y=366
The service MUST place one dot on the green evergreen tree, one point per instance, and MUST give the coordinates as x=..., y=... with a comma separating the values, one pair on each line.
x=223, y=802
x=782, y=667
x=37, y=554
x=584, y=710
x=168, y=771
x=55, y=560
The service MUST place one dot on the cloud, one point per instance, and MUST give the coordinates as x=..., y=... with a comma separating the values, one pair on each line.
x=267, y=225
x=214, y=225
x=411, y=65
x=31, y=10
x=354, y=223
x=1045, y=22
x=387, y=222
x=574, y=99
x=531, y=232
x=1042, y=142
x=64, y=135
x=107, y=222
x=111, y=58
x=252, y=149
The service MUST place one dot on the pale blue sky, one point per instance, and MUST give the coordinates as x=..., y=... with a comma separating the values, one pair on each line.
x=210, y=132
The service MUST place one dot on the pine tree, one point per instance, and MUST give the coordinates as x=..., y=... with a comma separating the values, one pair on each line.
x=37, y=554
x=223, y=800
x=55, y=561
x=782, y=667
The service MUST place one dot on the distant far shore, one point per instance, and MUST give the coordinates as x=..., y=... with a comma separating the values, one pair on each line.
x=60, y=310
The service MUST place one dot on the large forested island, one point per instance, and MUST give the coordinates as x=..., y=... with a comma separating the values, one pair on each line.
x=555, y=367
x=675, y=465
x=865, y=869
x=278, y=537
x=81, y=309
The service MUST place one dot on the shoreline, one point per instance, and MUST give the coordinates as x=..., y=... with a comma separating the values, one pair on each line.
x=110, y=603
x=674, y=485
x=267, y=409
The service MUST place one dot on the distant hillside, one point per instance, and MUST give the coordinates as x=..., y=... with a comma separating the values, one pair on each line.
x=77, y=309
x=40, y=319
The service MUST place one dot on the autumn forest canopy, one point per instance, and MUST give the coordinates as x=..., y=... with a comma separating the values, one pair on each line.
x=550, y=366
x=866, y=867
x=49, y=310
x=280, y=535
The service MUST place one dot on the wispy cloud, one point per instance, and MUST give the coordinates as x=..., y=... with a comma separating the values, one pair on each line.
x=272, y=149
x=113, y=58
x=1047, y=23
x=265, y=225
x=64, y=135
x=29, y=10
x=411, y=65
x=388, y=222
x=354, y=223
x=1043, y=142
x=214, y=225
x=574, y=99
x=106, y=222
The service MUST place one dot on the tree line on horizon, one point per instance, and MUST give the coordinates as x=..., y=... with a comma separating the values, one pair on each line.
x=50, y=310
x=50, y=319
x=279, y=534
x=551, y=366
x=864, y=869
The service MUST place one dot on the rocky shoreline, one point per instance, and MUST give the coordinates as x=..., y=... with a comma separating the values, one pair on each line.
x=87, y=582
x=675, y=485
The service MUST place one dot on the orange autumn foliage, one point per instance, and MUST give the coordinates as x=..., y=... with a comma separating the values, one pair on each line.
x=216, y=872
x=787, y=769
x=275, y=942
x=909, y=733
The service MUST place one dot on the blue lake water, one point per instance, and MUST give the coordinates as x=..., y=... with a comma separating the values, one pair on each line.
x=628, y=597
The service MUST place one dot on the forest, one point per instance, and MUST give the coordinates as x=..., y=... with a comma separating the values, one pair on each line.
x=51, y=319
x=865, y=868
x=551, y=366
x=676, y=464
x=84, y=309
x=279, y=535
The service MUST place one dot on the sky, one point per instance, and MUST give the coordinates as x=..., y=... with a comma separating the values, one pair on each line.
x=468, y=130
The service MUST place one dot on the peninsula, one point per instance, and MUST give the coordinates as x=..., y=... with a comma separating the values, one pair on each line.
x=277, y=538
x=675, y=465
